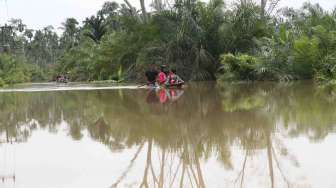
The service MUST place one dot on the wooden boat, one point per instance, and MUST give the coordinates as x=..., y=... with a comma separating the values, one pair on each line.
x=172, y=86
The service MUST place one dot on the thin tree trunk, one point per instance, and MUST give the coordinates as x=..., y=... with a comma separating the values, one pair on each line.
x=194, y=175
x=281, y=172
x=175, y=174
x=263, y=7
x=143, y=9
x=124, y=174
x=182, y=176
x=161, y=179
x=129, y=4
x=242, y=172
x=148, y=163
x=243, y=2
x=269, y=156
x=158, y=5
x=133, y=10
x=199, y=173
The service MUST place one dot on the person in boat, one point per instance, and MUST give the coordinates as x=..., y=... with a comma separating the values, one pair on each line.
x=151, y=75
x=162, y=76
x=64, y=79
x=61, y=79
x=173, y=79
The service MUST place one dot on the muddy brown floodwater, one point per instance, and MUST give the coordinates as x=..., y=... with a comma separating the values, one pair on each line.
x=207, y=135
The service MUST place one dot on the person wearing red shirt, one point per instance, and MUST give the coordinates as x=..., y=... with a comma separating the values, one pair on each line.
x=162, y=76
x=173, y=79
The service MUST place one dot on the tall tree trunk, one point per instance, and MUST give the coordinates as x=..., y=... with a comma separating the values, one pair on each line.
x=143, y=9
x=158, y=5
x=242, y=2
x=263, y=7
x=147, y=166
x=129, y=4
x=124, y=174
x=269, y=156
x=133, y=10
x=183, y=172
x=161, y=179
x=199, y=173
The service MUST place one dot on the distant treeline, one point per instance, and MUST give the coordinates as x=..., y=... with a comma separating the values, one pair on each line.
x=203, y=41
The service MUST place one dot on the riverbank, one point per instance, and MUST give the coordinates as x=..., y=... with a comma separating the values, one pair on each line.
x=112, y=84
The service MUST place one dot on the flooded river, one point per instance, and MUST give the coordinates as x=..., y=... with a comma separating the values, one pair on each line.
x=207, y=135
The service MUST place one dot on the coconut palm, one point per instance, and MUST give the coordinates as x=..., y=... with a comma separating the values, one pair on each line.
x=96, y=28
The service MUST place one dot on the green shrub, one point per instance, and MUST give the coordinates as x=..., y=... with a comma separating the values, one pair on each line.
x=306, y=56
x=240, y=67
x=38, y=74
x=13, y=70
x=2, y=83
x=326, y=71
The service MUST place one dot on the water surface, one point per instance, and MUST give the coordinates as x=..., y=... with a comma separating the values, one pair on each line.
x=207, y=135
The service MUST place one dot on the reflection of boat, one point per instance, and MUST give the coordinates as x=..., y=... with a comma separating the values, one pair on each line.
x=62, y=81
x=163, y=95
x=178, y=86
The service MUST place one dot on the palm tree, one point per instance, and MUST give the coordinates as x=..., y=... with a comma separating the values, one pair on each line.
x=96, y=27
x=29, y=34
x=109, y=9
x=71, y=31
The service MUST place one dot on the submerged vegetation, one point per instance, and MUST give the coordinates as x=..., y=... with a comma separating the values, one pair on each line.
x=203, y=41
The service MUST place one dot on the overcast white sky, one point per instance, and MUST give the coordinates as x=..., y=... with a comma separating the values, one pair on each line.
x=40, y=13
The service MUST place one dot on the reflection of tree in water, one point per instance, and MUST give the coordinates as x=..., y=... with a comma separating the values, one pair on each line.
x=206, y=121
x=303, y=109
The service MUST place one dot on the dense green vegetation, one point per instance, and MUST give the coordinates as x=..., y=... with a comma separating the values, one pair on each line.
x=204, y=41
x=27, y=55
